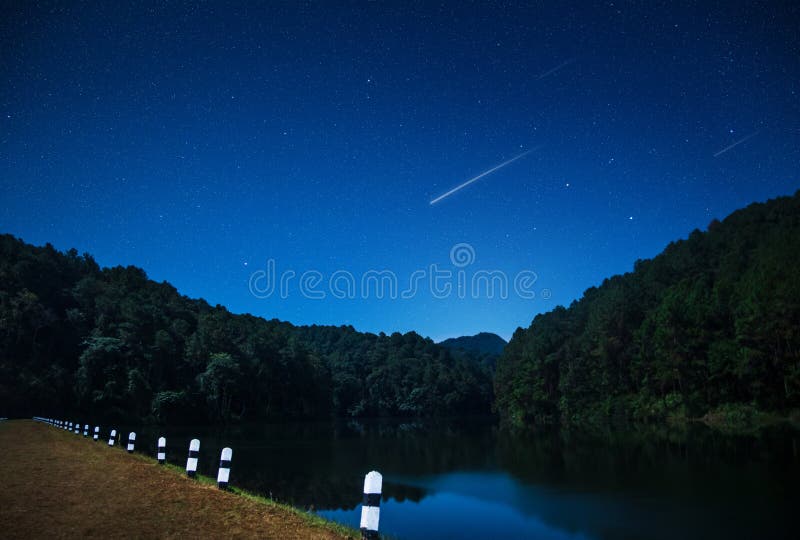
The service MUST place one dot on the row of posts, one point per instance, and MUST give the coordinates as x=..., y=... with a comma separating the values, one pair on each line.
x=223, y=475
x=373, y=482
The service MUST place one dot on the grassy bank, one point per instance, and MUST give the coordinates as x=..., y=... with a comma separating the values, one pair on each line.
x=58, y=484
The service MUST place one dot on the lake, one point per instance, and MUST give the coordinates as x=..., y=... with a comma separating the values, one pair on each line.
x=469, y=479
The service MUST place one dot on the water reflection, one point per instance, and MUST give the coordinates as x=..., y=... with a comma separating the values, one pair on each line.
x=470, y=479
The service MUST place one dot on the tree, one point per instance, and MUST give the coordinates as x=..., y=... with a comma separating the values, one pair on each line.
x=219, y=384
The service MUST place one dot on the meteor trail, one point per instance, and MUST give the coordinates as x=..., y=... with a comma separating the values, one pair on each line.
x=553, y=70
x=737, y=143
x=471, y=180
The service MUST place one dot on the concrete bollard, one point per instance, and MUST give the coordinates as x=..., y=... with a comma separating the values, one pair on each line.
x=69, y=426
x=162, y=450
x=191, y=462
x=131, y=441
x=86, y=430
x=77, y=428
x=224, y=468
x=371, y=507
x=112, y=437
x=96, y=433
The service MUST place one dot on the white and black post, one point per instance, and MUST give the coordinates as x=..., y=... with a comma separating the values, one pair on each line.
x=131, y=441
x=162, y=450
x=371, y=508
x=224, y=468
x=96, y=433
x=191, y=462
x=86, y=430
x=112, y=437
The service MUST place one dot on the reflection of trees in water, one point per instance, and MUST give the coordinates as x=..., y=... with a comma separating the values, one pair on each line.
x=664, y=458
x=667, y=480
x=324, y=464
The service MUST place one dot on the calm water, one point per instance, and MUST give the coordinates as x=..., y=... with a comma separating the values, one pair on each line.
x=470, y=479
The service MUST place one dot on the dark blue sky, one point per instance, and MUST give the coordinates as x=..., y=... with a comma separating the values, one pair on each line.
x=201, y=142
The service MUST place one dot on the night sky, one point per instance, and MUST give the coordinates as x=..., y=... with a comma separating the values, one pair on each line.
x=201, y=142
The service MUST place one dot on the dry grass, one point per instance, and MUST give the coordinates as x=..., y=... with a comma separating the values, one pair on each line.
x=61, y=485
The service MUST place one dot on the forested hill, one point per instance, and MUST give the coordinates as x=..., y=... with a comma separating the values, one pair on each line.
x=712, y=321
x=111, y=344
x=482, y=343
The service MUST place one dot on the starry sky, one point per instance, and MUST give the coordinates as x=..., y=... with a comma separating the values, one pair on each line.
x=201, y=142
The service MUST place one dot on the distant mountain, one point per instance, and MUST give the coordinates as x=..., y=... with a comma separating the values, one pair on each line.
x=482, y=343
x=711, y=326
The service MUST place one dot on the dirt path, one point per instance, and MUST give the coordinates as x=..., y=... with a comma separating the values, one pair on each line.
x=57, y=484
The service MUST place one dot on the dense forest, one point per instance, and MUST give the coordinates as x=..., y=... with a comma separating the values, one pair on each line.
x=711, y=324
x=111, y=344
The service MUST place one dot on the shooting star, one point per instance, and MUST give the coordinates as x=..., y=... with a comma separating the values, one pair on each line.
x=737, y=143
x=553, y=70
x=475, y=179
